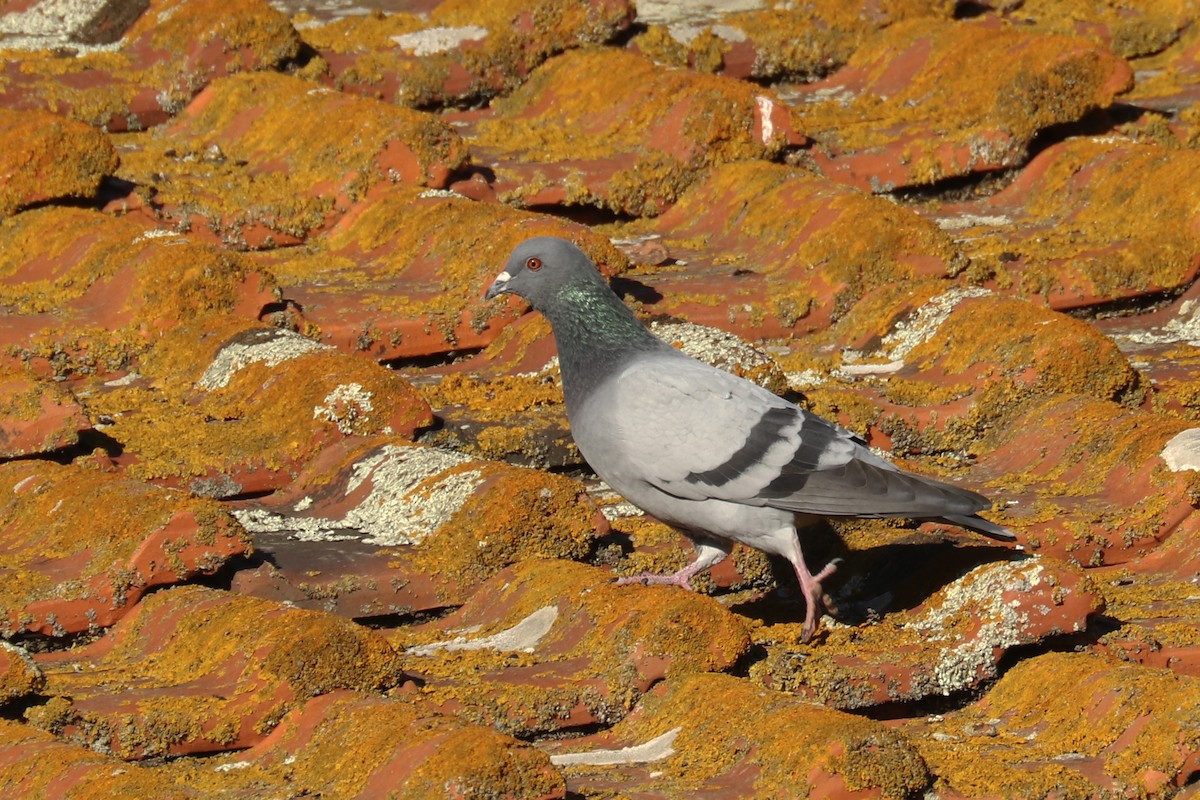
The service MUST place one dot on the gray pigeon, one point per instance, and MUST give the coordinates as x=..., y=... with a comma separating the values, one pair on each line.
x=716, y=456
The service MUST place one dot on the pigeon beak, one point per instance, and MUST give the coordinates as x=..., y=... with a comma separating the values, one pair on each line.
x=499, y=286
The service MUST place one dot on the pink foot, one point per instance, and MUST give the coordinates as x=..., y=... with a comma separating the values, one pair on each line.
x=682, y=578
x=814, y=597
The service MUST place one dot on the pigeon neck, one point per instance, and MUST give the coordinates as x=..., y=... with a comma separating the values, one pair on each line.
x=596, y=334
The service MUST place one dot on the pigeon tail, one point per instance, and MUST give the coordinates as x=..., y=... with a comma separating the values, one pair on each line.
x=976, y=523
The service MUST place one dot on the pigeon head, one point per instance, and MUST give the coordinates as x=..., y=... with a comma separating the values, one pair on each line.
x=540, y=268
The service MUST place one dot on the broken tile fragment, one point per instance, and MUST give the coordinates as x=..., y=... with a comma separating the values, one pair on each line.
x=81, y=547
x=952, y=642
x=1063, y=231
x=403, y=274
x=548, y=644
x=47, y=157
x=424, y=527
x=196, y=670
x=570, y=136
x=457, y=52
x=925, y=100
x=165, y=56
x=34, y=763
x=716, y=735
x=1076, y=723
x=195, y=418
x=230, y=166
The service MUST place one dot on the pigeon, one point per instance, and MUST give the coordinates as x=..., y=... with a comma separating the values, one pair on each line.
x=721, y=459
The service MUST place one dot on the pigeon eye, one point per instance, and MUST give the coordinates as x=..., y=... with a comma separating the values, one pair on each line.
x=533, y=264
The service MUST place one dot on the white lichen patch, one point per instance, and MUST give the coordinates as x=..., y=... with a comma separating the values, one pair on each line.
x=522, y=637
x=413, y=491
x=347, y=406
x=1184, y=328
x=920, y=327
x=962, y=221
x=656, y=749
x=980, y=595
x=1182, y=452
x=271, y=346
x=438, y=40
x=718, y=348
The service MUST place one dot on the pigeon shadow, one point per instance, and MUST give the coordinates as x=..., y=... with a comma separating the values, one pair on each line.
x=629, y=288
x=874, y=581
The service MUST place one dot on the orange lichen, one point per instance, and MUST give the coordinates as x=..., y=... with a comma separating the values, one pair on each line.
x=240, y=134
x=726, y=723
x=628, y=635
x=181, y=428
x=1141, y=727
x=256, y=657
x=1037, y=81
x=88, y=528
x=43, y=766
x=834, y=245
x=516, y=514
x=44, y=156
x=113, y=288
x=175, y=47
x=508, y=40
x=1076, y=240
x=668, y=124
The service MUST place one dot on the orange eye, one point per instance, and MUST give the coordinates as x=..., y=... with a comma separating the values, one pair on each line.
x=533, y=264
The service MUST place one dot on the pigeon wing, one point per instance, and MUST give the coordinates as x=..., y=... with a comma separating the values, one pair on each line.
x=697, y=432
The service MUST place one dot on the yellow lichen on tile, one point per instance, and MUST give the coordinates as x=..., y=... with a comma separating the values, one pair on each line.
x=448, y=248
x=1038, y=81
x=834, y=245
x=265, y=655
x=114, y=287
x=671, y=124
x=1085, y=239
x=167, y=63
x=794, y=745
x=1138, y=725
x=197, y=419
x=516, y=514
x=87, y=525
x=52, y=768
x=627, y=634
x=44, y=156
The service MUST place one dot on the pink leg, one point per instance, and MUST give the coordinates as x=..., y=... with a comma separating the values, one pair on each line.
x=706, y=555
x=814, y=594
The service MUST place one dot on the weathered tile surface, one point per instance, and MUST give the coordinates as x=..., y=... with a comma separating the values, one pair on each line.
x=81, y=546
x=970, y=237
